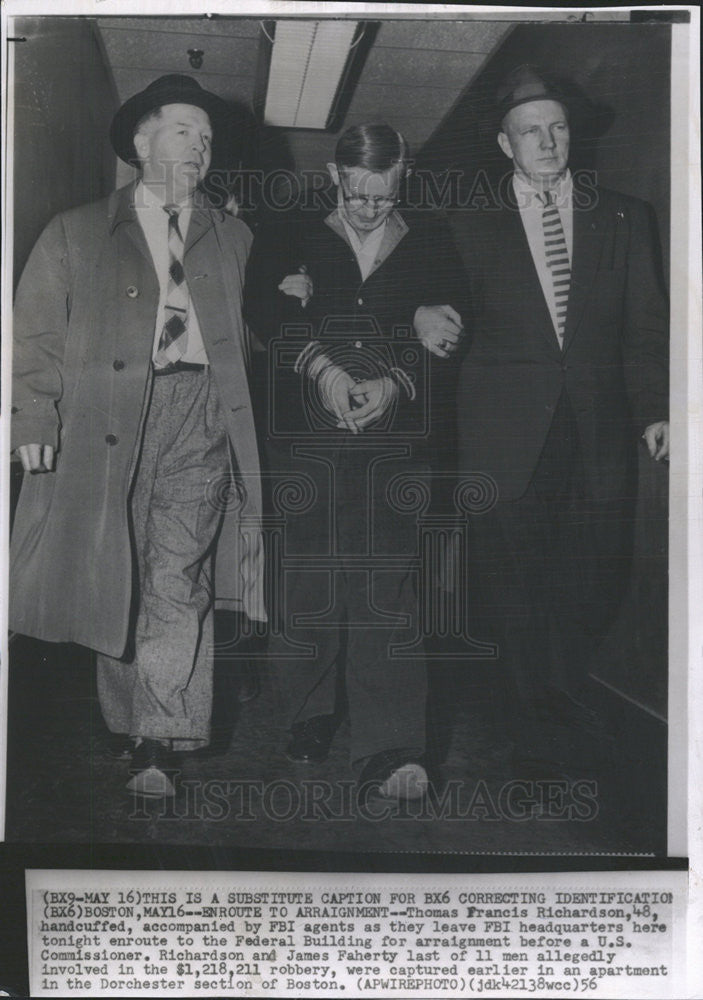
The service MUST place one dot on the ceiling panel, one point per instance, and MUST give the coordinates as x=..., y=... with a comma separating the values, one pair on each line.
x=413, y=74
x=237, y=27
x=426, y=68
x=457, y=36
x=369, y=98
x=167, y=52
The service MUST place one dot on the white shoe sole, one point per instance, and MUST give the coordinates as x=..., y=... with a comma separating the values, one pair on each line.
x=151, y=784
x=408, y=782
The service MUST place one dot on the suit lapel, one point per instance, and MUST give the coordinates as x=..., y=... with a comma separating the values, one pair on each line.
x=517, y=264
x=589, y=233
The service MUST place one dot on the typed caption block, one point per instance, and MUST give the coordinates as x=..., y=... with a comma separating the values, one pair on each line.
x=222, y=934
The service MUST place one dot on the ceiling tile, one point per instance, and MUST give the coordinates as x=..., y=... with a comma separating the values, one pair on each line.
x=167, y=52
x=238, y=27
x=450, y=36
x=422, y=68
x=374, y=101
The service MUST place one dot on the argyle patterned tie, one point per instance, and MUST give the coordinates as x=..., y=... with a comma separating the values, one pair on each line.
x=557, y=260
x=174, y=335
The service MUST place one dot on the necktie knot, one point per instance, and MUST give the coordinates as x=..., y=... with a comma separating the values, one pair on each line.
x=547, y=198
x=173, y=212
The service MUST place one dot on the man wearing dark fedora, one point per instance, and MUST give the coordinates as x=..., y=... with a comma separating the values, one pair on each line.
x=566, y=369
x=133, y=421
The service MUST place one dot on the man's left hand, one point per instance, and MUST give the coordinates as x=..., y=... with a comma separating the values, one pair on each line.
x=374, y=396
x=656, y=437
x=439, y=328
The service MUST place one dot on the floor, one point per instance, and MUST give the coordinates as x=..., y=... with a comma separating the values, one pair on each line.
x=244, y=793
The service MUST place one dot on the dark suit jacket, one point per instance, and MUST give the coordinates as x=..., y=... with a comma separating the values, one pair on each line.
x=366, y=326
x=614, y=361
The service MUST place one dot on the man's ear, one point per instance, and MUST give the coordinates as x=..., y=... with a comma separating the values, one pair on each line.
x=141, y=145
x=334, y=173
x=504, y=143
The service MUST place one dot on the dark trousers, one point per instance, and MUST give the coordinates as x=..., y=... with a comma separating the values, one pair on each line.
x=552, y=568
x=349, y=596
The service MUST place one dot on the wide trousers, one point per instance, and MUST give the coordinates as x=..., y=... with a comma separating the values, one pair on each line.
x=551, y=569
x=348, y=632
x=162, y=688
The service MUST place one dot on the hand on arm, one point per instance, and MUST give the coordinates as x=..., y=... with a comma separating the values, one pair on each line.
x=656, y=437
x=298, y=285
x=439, y=328
x=36, y=457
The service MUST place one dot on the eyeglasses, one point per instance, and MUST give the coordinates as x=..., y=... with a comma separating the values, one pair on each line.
x=379, y=204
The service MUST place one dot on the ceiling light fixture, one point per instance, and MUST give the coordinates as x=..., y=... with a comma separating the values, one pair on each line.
x=309, y=63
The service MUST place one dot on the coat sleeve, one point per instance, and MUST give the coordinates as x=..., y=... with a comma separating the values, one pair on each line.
x=444, y=282
x=440, y=276
x=273, y=256
x=40, y=326
x=645, y=337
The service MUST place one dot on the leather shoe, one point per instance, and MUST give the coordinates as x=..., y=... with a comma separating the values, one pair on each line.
x=118, y=746
x=311, y=740
x=395, y=774
x=152, y=762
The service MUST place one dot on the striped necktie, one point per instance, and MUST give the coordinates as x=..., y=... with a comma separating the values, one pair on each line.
x=174, y=335
x=557, y=260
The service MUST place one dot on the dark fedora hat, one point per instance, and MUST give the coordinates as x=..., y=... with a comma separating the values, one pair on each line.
x=171, y=89
x=526, y=84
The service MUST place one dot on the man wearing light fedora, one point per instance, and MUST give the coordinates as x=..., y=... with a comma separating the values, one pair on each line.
x=567, y=368
x=133, y=421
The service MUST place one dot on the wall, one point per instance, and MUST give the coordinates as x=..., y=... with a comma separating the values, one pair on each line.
x=64, y=104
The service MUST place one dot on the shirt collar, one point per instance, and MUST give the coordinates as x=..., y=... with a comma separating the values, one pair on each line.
x=527, y=195
x=374, y=238
x=145, y=196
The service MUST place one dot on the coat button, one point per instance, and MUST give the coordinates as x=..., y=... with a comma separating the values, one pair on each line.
x=132, y=291
x=360, y=301
x=110, y=439
x=357, y=344
x=118, y=365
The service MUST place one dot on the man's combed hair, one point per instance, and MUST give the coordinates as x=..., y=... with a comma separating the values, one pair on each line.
x=374, y=147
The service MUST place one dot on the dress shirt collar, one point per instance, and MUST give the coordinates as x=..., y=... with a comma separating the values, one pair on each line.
x=145, y=196
x=526, y=195
x=372, y=241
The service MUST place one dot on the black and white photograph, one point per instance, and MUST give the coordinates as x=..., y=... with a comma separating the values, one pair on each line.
x=345, y=428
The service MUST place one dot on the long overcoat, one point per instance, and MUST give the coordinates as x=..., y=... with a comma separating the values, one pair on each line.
x=83, y=338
